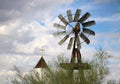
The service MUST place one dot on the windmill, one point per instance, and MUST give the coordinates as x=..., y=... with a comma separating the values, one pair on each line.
x=75, y=28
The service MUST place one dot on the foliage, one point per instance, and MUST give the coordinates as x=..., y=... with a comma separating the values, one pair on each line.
x=96, y=75
x=99, y=68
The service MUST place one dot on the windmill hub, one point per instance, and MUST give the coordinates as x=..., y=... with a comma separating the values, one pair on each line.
x=72, y=27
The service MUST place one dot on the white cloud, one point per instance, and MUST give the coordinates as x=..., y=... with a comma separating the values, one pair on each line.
x=22, y=37
x=113, y=18
x=8, y=28
x=107, y=40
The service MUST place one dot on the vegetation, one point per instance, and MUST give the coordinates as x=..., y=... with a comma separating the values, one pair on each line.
x=96, y=75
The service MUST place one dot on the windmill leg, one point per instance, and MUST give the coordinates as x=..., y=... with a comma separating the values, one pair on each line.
x=73, y=53
x=78, y=56
x=73, y=57
x=82, y=77
x=70, y=75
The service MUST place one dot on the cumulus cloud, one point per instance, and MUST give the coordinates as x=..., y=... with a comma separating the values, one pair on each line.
x=22, y=34
x=15, y=15
x=27, y=25
x=114, y=18
x=27, y=9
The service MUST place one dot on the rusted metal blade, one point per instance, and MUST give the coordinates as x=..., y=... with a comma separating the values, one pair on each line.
x=63, y=19
x=59, y=33
x=70, y=43
x=84, y=17
x=78, y=43
x=88, y=31
x=69, y=15
x=59, y=26
x=77, y=15
x=85, y=38
x=63, y=40
x=90, y=23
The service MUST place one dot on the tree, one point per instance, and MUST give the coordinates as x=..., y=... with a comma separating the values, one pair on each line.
x=99, y=68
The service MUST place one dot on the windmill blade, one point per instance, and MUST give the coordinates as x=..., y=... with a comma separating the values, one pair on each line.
x=59, y=26
x=90, y=23
x=63, y=40
x=69, y=14
x=59, y=33
x=70, y=44
x=84, y=17
x=88, y=31
x=63, y=19
x=78, y=43
x=77, y=15
x=85, y=38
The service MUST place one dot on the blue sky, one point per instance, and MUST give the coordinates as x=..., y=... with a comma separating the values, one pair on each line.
x=27, y=25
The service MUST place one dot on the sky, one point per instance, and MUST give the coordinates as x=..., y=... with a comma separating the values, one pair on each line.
x=26, y=26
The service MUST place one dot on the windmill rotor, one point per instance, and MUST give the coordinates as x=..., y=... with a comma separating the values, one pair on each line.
x=59, y=33
x=83, y=36
x=88, y=31
x=84, y=17
x=77, y=15
x=90, y=23
x=70, y=43
x=59, y=26
x=69, y=14
x=63, y=19
x=80, y=30
x=63, y=40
